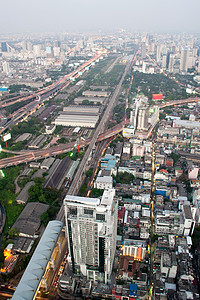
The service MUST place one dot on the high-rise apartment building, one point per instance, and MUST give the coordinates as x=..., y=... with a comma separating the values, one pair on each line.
x=4, y=47
x=29, y=46
x=184, y=60
x=37, y=50
x=198, y=68
x=142, y=122
x=6, y=67
x=164, y=61
x=171, y=63
x=143, y=50
x=91, y=228
x=158, y=53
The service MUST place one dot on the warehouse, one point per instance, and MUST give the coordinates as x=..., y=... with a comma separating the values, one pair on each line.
x=28, y=221
x=96, y=100
x=77, y=120
x=82, y=109
x=46, y=164
x=95, y=94
x=23, y=137
x=22, y=198
x=78, y=116
x=37, y=142
x=56, y=179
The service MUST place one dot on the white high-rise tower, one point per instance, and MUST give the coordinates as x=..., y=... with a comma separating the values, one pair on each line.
x=184, y=60
x=6, y=67
x=91, y=228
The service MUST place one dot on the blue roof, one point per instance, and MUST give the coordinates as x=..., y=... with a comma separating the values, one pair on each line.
x=32, y=276
x=133, y=289
x=108, y=161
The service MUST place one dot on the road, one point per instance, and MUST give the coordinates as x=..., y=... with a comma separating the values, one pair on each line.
x=78, y=178
x=178, y=102
x=28, y=156
x=100, y=148
x=152, y=225
x=100, y=128
x=38, y=98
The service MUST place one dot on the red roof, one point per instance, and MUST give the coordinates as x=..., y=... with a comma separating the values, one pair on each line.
x=163, y=171
x=157, y=96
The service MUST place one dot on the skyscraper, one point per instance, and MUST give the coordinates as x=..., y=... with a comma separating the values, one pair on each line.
x=143, y=50
x=164, y=61
x=198, y=69
x=184, y=60
x=142, y=122
x=158, y=53
x=6, y=67
x=37, y=50
x=171, y=63
x=4, y=47
x=91, y=227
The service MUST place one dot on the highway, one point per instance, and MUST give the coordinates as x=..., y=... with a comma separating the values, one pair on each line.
x=38, y=98
x=75, y=186
x=178, y=102
x=28, y=156
x=77, y=180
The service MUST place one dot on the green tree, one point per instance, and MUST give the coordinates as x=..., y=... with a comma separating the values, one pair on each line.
x=13, y=232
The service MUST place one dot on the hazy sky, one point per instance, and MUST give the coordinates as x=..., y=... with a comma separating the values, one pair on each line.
x=92, y=15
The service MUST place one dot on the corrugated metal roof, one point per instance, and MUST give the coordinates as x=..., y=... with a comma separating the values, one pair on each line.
x=32, y=276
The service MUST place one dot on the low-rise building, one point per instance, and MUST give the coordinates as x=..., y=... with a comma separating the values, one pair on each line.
x=103, y=182
x=22, y=198
x=168, y=265
x=28, y=222
x=46, y=164
x=134, y=248
x=50, y=129
x=37, y=142
x=96, y=94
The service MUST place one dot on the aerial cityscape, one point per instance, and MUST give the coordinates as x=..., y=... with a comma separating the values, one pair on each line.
x=99, y=151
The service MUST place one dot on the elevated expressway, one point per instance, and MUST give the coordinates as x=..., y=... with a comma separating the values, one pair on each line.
x=27, y=156
x=39, y=154
x=178, y=102
x=37, y=99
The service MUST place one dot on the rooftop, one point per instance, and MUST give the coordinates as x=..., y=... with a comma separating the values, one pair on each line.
x=32, y=276
x=187, y=211
x=82, y=200
x=107, y=198
x=28, y=221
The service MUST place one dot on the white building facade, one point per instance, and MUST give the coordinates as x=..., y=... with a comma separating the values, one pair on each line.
x=91, y=228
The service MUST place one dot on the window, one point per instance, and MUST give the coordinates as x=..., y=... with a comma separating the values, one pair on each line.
x=73, y=211
x=100, y=217
x=88, y=211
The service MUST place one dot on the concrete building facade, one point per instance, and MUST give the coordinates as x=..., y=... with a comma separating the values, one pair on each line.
x=91, y=228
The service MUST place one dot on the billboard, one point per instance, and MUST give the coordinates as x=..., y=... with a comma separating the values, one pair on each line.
x=6, y=137
x=157, y=96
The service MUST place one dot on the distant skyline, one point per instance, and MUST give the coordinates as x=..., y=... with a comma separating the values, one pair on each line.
x=26, y=16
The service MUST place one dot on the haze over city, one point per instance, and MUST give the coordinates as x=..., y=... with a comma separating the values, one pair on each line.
x=100, y=149
x=92, y=15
